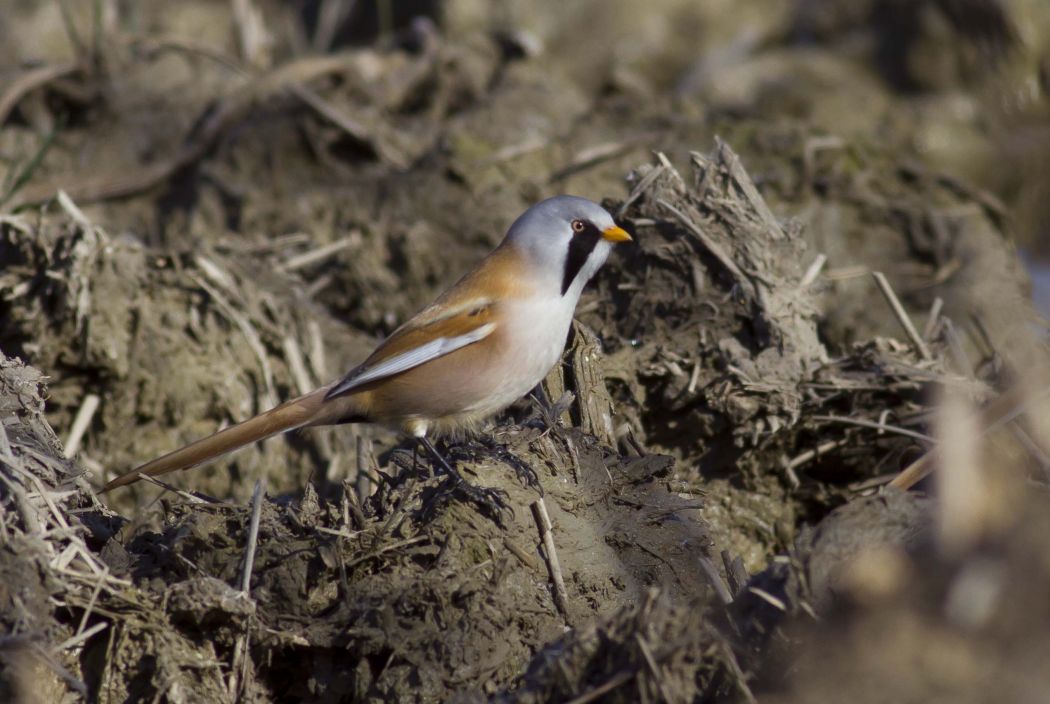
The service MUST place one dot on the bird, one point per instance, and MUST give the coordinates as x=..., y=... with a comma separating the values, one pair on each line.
x=481, y=345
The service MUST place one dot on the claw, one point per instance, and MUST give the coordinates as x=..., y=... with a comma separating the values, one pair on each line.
x=522, y=469
x=492, y=502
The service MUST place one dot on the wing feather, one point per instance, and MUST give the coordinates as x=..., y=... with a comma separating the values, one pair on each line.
x=419, y=341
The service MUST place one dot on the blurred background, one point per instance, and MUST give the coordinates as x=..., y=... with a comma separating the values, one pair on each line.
x=111, y=100
x=959, y=84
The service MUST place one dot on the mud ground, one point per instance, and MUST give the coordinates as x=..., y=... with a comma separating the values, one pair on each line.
x=209, y=207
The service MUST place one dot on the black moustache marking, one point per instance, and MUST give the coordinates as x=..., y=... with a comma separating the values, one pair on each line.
x=580, y=248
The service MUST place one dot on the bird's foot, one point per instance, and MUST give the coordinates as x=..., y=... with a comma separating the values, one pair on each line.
x=492, y=502
x=522, y=469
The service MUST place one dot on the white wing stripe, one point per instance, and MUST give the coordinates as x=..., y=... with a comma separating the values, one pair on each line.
x=411, y=358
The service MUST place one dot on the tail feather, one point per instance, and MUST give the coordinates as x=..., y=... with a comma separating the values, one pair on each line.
x=287, y=416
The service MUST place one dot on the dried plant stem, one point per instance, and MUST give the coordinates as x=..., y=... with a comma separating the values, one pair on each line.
x=363, y=482
x=250, y=334
x=543, y=524
x=811, y=454
x=814, y=270
x=318, y=255
x=605, y=688
x=654, y=668
x=253, y=535
x=882, y=427
x=995, y=415
x=715, y=579
x=902, y=315
x=933, y=319
x=80, y=424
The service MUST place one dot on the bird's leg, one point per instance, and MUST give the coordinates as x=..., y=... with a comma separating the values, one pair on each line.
x=440, y=459
x=492, y=501
x=415, y=460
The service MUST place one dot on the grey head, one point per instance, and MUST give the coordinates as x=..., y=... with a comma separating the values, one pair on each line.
x=567, y=239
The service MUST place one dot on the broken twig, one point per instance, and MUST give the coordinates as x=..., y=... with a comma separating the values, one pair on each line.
x=902, y=315
x=543, y=523
x=253, y=536
x=80, y=424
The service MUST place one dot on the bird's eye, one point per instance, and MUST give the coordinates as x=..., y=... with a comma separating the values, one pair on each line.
x=578, y=226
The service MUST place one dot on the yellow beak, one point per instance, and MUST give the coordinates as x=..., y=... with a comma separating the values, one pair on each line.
x=616, y=234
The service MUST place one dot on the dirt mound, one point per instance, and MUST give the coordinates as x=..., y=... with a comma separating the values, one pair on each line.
x=419, y=590
x=146, y=335
x=429, y=588
x=416, y=587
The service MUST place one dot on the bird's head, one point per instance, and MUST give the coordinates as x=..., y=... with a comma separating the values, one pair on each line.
x=567, y=239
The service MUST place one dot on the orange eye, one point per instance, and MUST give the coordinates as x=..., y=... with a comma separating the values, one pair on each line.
x=578, y=226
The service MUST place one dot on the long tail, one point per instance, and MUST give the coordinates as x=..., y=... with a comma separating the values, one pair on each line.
x=290, y=414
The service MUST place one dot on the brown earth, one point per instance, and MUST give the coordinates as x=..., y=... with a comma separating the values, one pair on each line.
x=253, y=194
